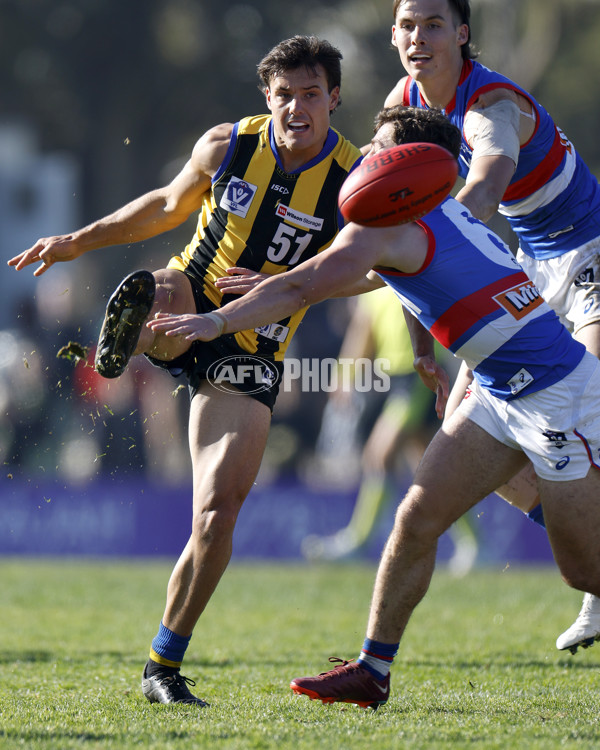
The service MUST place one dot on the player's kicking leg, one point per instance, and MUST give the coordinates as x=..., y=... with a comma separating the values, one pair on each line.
x=138, y=297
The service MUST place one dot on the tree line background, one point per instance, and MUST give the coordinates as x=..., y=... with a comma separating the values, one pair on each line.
x=128, y=86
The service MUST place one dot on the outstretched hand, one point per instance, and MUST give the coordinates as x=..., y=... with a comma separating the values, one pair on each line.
x=436, y=379
x=240, y=280
x=191, y=327
x=48, y=250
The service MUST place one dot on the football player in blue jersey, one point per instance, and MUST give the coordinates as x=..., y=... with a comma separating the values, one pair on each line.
x=515, y=159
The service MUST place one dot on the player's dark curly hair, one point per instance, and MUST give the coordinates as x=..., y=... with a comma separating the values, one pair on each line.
x=425, y=125
x=462, y=13
x=302, y=51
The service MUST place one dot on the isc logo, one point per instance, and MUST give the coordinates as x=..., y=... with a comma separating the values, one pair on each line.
x=280, y=189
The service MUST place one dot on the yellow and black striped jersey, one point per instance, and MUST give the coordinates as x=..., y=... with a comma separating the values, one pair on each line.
x=259, y=217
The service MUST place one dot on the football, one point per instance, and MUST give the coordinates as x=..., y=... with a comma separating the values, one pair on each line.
x=398, y=184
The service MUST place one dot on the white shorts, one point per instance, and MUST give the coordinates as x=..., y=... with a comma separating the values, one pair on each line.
x=558, y=428
x=570, y=283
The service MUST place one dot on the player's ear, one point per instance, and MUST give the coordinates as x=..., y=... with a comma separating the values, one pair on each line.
x=268, y=98
x=334, y=98
x=394, y=43
x=462, y=34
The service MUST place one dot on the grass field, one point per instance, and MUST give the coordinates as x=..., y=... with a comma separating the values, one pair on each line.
x=477, y=667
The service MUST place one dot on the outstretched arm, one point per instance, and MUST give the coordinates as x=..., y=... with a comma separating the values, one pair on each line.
x=355, y=251
x=278, y=296
x=151, y=214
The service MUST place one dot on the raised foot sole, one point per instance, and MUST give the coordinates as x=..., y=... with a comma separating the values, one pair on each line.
x=126, y=312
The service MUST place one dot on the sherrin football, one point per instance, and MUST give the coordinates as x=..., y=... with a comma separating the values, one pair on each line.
x=398, y=184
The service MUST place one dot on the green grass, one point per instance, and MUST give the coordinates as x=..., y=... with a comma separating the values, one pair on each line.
x=477, y=667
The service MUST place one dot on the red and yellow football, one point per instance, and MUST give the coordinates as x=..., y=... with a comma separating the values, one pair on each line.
x=398, y=184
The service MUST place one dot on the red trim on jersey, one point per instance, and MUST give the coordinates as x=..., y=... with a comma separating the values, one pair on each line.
x=465, y=313
x=465, y=72
x=406, y=94
x=540, y=175
x=428, y=257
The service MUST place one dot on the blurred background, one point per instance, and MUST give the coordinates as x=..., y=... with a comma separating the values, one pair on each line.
x=103, y=100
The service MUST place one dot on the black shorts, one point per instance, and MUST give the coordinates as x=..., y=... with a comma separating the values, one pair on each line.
x=225, y=365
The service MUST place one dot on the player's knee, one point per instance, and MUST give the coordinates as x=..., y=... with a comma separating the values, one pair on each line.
x=173, y=292
x=216, y=520
x=213, y=526
x=415, y=524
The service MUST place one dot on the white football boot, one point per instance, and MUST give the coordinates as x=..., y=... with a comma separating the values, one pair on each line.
x=586, y=628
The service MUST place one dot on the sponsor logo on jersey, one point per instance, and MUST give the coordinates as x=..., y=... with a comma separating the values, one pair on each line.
x=280, y=189
x=558, y=439
x=520, y=300
x=297, y=217
x=238, y=197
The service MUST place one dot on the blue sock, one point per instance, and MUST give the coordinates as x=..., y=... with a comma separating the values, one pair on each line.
x=537, y=515
x=168, y=648
x=377, y=657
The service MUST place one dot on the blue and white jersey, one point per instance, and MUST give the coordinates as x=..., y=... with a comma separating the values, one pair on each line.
x=477, y=301
x=553, y=200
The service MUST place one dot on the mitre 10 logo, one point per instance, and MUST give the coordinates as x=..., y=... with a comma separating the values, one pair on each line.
x=520, y=299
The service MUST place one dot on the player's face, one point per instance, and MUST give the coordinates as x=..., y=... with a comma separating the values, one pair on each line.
x=301, y=106
x=428, y=38
x=383, y=138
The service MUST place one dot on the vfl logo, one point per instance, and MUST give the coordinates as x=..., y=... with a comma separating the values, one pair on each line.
x=585, y=277
x=520, y=300
x=558, y=439
x=238, y=197
x=241, y=375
